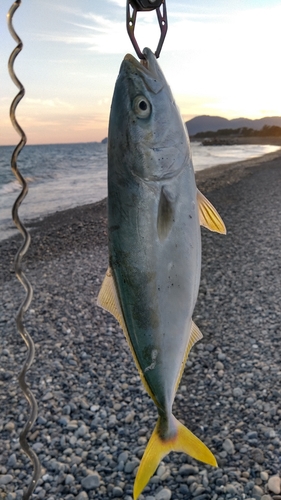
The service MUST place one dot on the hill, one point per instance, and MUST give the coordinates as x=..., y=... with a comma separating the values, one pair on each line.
x=208, y=123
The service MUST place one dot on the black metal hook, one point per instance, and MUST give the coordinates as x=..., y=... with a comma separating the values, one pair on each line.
x=146, y=5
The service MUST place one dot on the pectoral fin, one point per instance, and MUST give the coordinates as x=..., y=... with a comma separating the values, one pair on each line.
x=108, y=299
x=208, y=216
x=165, y=215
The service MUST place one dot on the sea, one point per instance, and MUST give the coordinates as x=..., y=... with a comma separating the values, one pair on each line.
x=62, y=176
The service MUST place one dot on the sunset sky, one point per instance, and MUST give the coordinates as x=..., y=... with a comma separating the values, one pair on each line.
x=220, y=58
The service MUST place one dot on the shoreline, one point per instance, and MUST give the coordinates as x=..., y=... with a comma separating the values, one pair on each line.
x=223, y=175
x=208, y=179
x=256, y=140
x=94, y=417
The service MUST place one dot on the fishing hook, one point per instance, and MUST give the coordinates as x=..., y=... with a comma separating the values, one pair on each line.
x=18, y=260
x=146, y=5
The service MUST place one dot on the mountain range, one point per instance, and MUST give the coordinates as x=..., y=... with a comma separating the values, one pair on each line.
x=206, y=123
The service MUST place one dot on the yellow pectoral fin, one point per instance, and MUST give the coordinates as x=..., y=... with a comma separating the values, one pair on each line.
x=108, y=299
x=208, y=216
x=184, y=441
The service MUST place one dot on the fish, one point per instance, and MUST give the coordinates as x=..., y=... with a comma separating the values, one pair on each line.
x=154, y=238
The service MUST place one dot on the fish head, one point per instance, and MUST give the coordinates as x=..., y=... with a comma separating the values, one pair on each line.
x=146, y=130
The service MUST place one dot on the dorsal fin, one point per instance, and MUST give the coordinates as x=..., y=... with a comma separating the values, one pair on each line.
x=208, y=216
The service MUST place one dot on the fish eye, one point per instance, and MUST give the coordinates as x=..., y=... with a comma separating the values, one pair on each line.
x=141, y=106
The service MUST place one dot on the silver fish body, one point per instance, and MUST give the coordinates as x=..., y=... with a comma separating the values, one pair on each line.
x=154, y=221
x=153, y=225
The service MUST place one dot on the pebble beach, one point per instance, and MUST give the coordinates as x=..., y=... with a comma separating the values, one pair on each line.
x=94, y=417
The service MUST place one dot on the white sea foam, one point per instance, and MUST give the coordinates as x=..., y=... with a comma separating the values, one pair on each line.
x=209, y=156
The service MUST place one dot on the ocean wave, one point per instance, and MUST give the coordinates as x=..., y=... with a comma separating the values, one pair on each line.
x=15, y=185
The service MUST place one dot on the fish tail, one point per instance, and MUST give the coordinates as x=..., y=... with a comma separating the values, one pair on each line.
x=182, y=440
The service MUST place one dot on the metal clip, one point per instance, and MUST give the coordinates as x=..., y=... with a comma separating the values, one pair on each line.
x=146, y=5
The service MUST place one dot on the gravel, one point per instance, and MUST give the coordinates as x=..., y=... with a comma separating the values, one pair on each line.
x=94, y=415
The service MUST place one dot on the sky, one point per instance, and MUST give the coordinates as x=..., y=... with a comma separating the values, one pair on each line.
x=220, y=58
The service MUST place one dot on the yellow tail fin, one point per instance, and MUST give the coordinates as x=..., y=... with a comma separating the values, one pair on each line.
x=184, y=441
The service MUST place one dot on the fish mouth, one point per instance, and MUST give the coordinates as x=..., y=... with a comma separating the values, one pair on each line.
x=147, y=68
x=145, y=65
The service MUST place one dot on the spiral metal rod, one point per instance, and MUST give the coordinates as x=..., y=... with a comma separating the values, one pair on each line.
x=18, y=262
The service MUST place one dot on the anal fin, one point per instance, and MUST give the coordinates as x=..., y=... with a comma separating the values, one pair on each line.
x=108, y=299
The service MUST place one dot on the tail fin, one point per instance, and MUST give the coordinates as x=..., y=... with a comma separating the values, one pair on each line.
x=184, y=441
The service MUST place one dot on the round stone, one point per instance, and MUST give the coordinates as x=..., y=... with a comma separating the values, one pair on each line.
x=257, y=492
x=130, y=466
x=219, y=365
x=82, y=496
x=264, y=475
x=270, y=433
x=183, y=489
x=123, y=457
x=237, y=392
x=91, y=482
x=117, y=491
x=164, y=494
x=258, y=455
x=10, y=426
x=130, y=417
x=112, y=420
x=94, y=408
x=69, y=479
x=274, y=484
x=142, y=440
x=11, y=496
x=48, y=396
x=161, y=470
x=12, y=462
x=229, y=488
x=5, y=479
x=228, y=446
x=81, y=431
x=187, y=470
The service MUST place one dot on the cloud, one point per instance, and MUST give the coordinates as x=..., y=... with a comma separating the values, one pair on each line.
x=102, y=35
x=66, y=9
x=48, y=103
x=120, y=3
